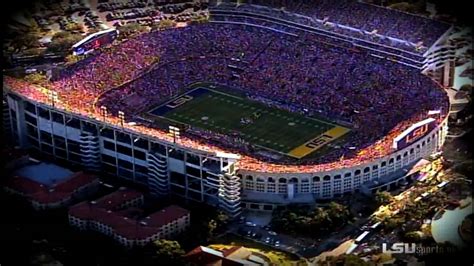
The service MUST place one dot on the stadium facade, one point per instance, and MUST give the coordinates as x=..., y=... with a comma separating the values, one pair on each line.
x=217, y=178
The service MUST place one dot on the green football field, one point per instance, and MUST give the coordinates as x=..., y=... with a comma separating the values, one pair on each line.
x=271, y=128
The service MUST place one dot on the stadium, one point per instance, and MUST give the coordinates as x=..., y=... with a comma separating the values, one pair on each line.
x=257, y=107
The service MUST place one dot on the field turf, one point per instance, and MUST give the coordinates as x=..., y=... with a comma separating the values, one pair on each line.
x=270, y=128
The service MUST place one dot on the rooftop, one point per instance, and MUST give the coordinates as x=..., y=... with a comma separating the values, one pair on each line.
x=45, y=173
x=124, y=221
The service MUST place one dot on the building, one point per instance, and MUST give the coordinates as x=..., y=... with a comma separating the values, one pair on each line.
x=233, y=256
x=44, y=196
x=215, y=177
x=117, y=215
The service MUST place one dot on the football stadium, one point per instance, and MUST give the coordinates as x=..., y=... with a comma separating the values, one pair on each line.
x=256, y=107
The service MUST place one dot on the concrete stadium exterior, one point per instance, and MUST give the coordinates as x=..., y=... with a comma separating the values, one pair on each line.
x=210, y=177
x=214, y=177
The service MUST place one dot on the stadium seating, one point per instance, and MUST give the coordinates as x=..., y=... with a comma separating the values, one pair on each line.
x=378, y=97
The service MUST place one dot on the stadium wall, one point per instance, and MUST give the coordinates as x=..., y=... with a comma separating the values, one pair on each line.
x=166, y=168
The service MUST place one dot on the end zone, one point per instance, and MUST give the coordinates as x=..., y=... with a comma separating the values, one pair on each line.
x=318, y=142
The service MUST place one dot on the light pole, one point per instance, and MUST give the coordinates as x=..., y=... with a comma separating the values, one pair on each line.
x=121, y=116
x=103, y=111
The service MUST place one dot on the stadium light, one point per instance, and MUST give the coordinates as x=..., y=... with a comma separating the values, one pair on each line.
x=175, y=132
x=54, y=96
x=121, y=116
x=103, y=111
x=135, y=140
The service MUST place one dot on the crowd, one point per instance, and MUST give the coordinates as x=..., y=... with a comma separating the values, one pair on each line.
x=364, y=18
x=376, y=96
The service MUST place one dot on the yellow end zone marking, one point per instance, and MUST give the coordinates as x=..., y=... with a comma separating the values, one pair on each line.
x=318, y=142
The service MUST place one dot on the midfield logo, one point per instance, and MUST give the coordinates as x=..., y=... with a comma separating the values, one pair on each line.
x=180, y=101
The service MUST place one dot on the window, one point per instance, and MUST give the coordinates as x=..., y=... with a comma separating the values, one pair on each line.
x=193, y=171
x=74, y=157
x=106, y=132
x=191, y=158
x=30, y=119
x=125, y=164
x=124, y=150
x=30, y=107
x=109, y=168
x=139, y=155
x=73, y=146
x=108, y=159
x=88, y=127
x=61, y=153
x=282, y=187
x=33, y=141
x=46, y=148
x=109, y=145
x=305, y=186
x=122, y=137
x=260, y=185
x=155, y=147
x=73, y=122
x=58, y=118
x=141, y=169
x=271, y=185
x=46, y=137
x=31, y=131
x=43, y=113
x=125, y=173
x=177, y=154
x=59, y=141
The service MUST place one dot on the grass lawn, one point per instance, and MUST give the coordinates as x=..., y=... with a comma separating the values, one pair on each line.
x=271, y=128
x=276, y=257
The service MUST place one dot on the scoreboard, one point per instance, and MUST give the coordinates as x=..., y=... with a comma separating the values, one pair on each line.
x=413, y=133
x=94, y=41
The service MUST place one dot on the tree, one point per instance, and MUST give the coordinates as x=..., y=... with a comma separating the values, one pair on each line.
x=168, y=252
x=131, y=29
x=33, y=51
x=392, y=223
x=63, y=41
x=404, y=6
x=211, y=227
x=345, y=259
x=71, y=59
x=383, y=197
x=413, y=236
x=164, y=24
x=27, y=40
x=222, y=218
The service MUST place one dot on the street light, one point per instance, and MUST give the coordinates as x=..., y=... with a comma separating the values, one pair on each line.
x=121, y=116
x=103, y=111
